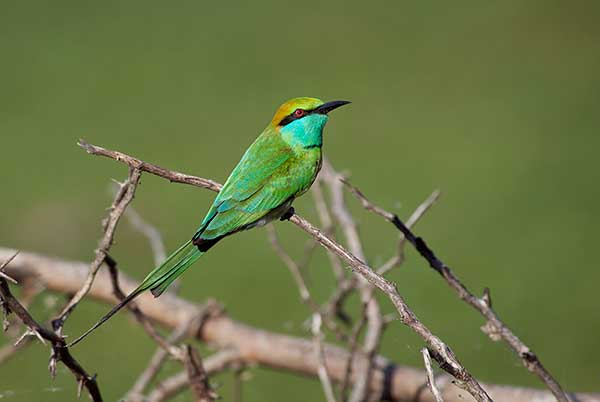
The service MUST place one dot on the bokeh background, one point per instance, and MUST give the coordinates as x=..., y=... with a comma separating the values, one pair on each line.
x=494, y=103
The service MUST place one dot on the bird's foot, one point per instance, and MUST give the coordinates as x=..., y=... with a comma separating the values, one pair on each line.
x=288, y=214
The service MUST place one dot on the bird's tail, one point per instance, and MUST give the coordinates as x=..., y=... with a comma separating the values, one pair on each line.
x=157, y=281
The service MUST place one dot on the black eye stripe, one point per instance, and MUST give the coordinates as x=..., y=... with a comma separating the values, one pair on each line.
x=287, y=120
x=290, y=117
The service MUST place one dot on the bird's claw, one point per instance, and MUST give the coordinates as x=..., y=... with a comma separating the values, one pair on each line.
x=288, y=214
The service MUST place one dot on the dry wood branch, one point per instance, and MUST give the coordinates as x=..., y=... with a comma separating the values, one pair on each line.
x=197, y=376
x=150, y=232
x=294, y=269
x=335, y=307
x=157, y=360
x=59, y=351
x=322, y=369
x=4, y=264
x=253, y=345
x=238, y=381
x=353, y=346
x=173, y=385
x=430, y=377
x=170, y=175
x=138, y=314
x=398, y=259
x=495, y=328
x=328, y=226
x=122, y=199
x=451, y=363
x=372, y=311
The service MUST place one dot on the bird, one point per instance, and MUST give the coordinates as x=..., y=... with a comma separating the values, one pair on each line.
x=278, y=167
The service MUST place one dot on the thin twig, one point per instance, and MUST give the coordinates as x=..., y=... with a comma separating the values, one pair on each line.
x=430, y=376
x=418, y=213
x=59, y=351
x=353, y=345
x=4, y=264
x=122, y=199
x=197, y=376
x=157, y=361
x=328, y=225
x=452, y=365
x=322, y=364
x=335, y=306
x=494, y=327
x=173, y=351
x=194, y=325
x=294, y=269
x=255, y=346
x=238, y=383
x=150, y=232
x=372, y=311
x=135, y=163
x=173, y=385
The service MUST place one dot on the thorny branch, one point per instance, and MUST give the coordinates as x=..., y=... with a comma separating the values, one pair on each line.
x=59, y=351
x=187, y=354
x=361, y=368
x=451, y=363
x=251, y=345
x=495, y=328
x=4, y=264
x=122, y=199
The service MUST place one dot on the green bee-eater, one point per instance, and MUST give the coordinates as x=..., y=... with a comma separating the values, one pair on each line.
x=279, y=166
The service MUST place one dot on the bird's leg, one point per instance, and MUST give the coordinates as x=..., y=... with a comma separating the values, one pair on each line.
x=288, y=214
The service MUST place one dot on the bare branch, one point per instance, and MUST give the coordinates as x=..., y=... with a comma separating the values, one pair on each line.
x=135, y=163
x=372, y=311
x=466, y=380
x=4, y=264
x=173, y=385
x=253, y=345
x=150, y=232
x=322, y=370
x=59, y=350
x=494, y=327
x=197, y=376
x=353, y=347
x=122, y=199
x=398, y=259
x=156, y=362
x=176, y=353
x=327, y=223
x=294, y=269
x=430, y=377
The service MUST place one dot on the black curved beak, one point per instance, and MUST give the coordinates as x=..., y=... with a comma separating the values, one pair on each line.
x=329, y=106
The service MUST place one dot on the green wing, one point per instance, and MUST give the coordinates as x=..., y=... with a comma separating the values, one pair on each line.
x=266, y=177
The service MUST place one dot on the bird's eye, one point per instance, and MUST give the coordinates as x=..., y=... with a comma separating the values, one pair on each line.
x=299, y=112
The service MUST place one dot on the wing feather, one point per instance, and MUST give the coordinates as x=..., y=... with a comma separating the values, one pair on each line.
x=267, y=157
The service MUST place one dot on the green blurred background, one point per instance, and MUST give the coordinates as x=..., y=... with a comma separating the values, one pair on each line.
x=494, y=103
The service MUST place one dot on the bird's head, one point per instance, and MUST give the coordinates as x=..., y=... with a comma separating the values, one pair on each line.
x=301, y=120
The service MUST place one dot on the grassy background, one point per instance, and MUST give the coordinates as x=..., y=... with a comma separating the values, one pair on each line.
x=495, y=103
